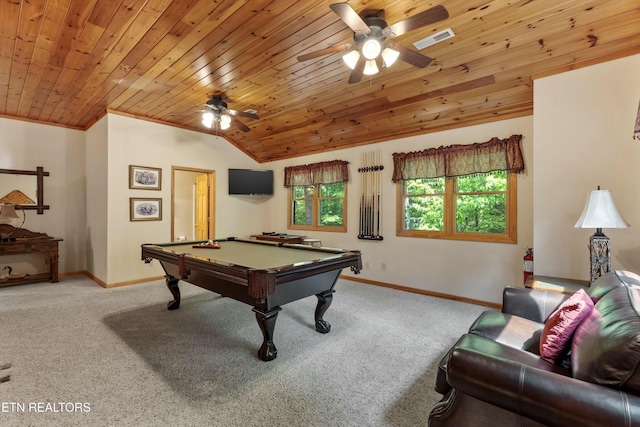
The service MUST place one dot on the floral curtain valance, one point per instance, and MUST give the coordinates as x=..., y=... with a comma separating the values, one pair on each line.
x=455, y=160
x=316, y=173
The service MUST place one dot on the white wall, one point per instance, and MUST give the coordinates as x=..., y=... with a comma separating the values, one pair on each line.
x=583, y=127
x=136, y=142
x=97, y=200
x=61, y=152
x=468, y=269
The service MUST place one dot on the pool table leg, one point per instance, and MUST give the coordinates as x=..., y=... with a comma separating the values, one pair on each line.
x=324, y=301
x=172, y=284
x=267, y=322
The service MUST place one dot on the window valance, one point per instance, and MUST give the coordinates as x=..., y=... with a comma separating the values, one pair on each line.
x=455, y=160
x=316, y=173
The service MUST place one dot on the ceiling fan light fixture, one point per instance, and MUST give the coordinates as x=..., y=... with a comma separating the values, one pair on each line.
x=351, y=59
x=225, y=121
x=207, y=119
x=389, y=56
x=370, y=68
x=371, y=48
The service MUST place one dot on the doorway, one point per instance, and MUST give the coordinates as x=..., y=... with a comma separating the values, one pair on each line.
x=192, y=204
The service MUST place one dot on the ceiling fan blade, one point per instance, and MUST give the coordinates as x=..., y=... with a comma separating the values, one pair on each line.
x=350, y=17
x=429, y=16
x=243, y=114
x=240, y=125
x=327, y=51
x=411, y=56
x=356, y=74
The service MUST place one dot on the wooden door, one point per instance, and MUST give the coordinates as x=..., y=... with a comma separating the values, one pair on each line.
x=202, y=207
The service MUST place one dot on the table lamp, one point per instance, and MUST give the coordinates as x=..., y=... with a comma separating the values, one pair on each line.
x=600, y=212
x=9, y=216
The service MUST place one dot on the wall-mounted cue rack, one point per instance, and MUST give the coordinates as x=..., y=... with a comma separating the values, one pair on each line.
x=371, y=198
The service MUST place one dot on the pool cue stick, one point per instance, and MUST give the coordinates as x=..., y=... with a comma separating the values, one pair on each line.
x=378, y=187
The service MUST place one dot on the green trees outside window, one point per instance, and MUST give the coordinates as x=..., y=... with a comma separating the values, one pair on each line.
x=472, y=207
x=320, y=206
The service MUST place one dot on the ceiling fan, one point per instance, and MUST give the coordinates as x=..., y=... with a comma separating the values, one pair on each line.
x=216, y=113
x=369, y=50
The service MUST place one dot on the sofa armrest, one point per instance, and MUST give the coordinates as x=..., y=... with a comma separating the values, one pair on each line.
x=532, y=304
x=488, y=371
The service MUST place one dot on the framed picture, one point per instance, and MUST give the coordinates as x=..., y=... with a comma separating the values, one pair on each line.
x=145, y=178
x=145, y=209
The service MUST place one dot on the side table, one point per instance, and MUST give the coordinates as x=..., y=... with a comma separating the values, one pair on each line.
x=556, y=284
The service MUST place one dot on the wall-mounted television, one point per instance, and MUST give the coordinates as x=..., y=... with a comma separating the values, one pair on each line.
x=251, y=181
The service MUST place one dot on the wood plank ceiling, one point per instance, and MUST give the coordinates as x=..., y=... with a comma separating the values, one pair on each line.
x=69, y=62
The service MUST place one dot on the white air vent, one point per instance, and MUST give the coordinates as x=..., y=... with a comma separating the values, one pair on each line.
x=436, y=38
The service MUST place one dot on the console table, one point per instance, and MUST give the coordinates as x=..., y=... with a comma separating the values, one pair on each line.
x=23, y=241
x=556, y=284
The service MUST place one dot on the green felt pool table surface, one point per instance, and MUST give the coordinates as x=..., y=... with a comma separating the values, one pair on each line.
x=263, y=274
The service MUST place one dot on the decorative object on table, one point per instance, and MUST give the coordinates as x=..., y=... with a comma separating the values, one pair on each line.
x=636, y=129
x=371, y=198
x=370, y=32
x=11, y=275
x=145, y=178
x=14, y=216
x=145, y=209
x=600, y=212
x=207, y=245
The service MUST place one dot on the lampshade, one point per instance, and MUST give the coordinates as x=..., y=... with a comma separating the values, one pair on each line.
x=8, y=212
x=351, y=59
x=371, y=48
x=601, y=212
x=225, y=121
x=389, y=56
x=370, y=68
x=207, y=119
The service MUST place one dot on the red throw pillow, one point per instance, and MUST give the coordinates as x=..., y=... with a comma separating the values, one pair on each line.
x=555, y=340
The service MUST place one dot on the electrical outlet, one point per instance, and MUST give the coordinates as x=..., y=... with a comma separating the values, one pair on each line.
x=383, y=266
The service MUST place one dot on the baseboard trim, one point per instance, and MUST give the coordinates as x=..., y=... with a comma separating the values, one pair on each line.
x=423, y=292
x=111, y=285
x=352, y=278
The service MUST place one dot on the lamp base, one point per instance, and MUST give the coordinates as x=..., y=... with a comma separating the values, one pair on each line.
x=600, y=252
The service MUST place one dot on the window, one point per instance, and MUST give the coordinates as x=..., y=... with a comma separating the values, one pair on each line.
x=478, y=207
x=318, y=207
x=462, y=192
x=318, y=196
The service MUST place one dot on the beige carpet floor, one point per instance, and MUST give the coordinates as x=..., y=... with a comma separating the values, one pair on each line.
x=87, y=356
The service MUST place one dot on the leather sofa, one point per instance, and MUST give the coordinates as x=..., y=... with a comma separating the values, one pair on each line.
x=495, y=375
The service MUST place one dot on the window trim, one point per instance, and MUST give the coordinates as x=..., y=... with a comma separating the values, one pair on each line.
x=316, y=211
x=449, y=233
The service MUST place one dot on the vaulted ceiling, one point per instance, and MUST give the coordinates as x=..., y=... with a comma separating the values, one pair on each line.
x=69, y=62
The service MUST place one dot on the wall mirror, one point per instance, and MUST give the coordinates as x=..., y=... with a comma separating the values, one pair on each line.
x=24, y=188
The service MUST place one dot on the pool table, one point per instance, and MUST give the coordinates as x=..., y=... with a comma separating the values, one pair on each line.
x=263, y=274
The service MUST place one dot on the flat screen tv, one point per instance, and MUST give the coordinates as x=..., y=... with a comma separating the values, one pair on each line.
x=251, y=181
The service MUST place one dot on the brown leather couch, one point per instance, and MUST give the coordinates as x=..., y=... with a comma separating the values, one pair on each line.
x=494, y=375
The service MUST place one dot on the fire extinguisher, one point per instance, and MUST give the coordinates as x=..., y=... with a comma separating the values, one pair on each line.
x=528, y=264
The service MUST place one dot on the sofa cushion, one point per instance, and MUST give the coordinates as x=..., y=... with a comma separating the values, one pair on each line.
x=514, y=331
x=555, y=341
x=612, y=280
x=606, y=346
